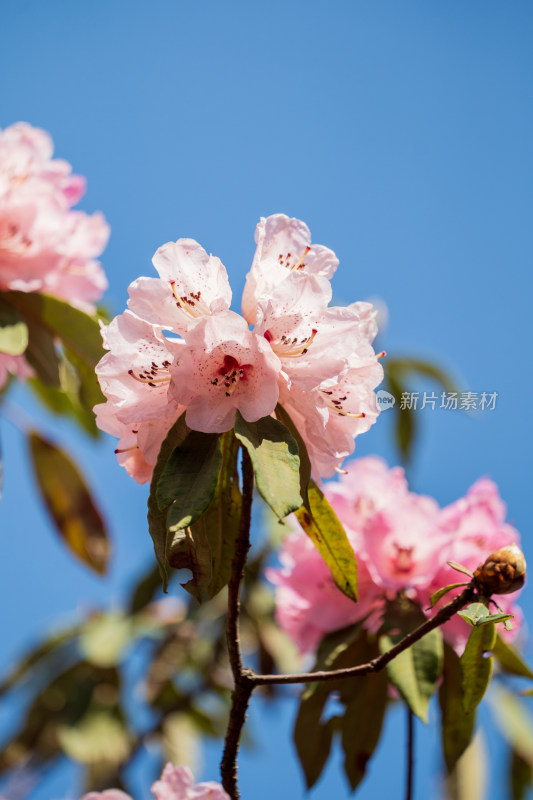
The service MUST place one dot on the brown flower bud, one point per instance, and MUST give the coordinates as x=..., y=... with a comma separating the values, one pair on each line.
x=503, y=571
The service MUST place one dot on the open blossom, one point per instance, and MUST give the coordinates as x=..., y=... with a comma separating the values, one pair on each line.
x=291, y=347
x=45, y=246
x=175, y=783
x=402, y=541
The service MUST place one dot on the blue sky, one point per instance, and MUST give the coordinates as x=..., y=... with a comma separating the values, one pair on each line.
x=400, y=132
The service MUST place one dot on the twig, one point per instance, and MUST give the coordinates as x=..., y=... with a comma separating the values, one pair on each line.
x=243, y=684
x=377, y=664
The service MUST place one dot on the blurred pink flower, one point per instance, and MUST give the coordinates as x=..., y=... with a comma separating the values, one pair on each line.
x=176, y=783
x=402, y=541
x=45, y=246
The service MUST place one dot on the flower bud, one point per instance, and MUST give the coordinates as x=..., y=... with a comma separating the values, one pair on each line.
x=503, y=571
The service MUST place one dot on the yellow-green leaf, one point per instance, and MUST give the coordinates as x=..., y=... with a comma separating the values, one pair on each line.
x=476, y=665
x=322, y=525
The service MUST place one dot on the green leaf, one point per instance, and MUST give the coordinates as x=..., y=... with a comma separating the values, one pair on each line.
x=98, y=737
x=313, y=735
x=157, y=520
x=415, y=672
x=305, y=463
x=457, y=726
x=460, y=568
x=78, y=331
x=189, y=478
x=476, y=667
x=475, y=613
x=220, y=523
x=434, y=599
x=190, y=550
x=275, y=460
x=69, y=502
x=520, y=774
x=104, y=638
x=362, y=723
x=322, y=525
x=513, y=720
x=13, y=331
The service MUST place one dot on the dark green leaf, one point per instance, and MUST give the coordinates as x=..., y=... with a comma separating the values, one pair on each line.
x=457, y=726
x=157, y=520
x=313, y=737
x=275, y=460
x=220, y=523
x=189, y=478
x=362, y=723
x=305, y=463
x=434, y=599
x=190, y=550
x=476, y=666
x=520, y=774
x=70, y=504
x=322, y=525
x=415, y=672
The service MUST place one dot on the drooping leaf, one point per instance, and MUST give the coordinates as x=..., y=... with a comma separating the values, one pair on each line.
x=13, y=330
x=70, y=503
x=305, y=463
x=189, y=478
x=157, y=520
x=457, y=726
x=312, y=734
x=190, y=550
x=362, y=723
x=476, y=665
x=513, y=720
x=520, y=775
x=415, y=672
x=275, y=460
x=219, y=525
x=322, y=525
x=313, y=737
x=434, y=599
x=510, y=659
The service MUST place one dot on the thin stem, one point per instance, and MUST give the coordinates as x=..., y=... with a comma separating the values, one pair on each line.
x=410, y=754
x=243, y=685
x=377, y=664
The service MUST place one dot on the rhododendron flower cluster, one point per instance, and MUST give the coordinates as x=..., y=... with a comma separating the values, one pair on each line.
x=402, y=541
x=45, y=246
x=180, y=348
x=176, y=783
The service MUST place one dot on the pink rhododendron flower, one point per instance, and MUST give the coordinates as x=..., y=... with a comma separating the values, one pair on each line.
x=402, y=541
x=191, y=284
x=223, y=367
x=176, y=783
x=45, y=246
x=283, y=246
x=317, y=360
x=135, y=377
